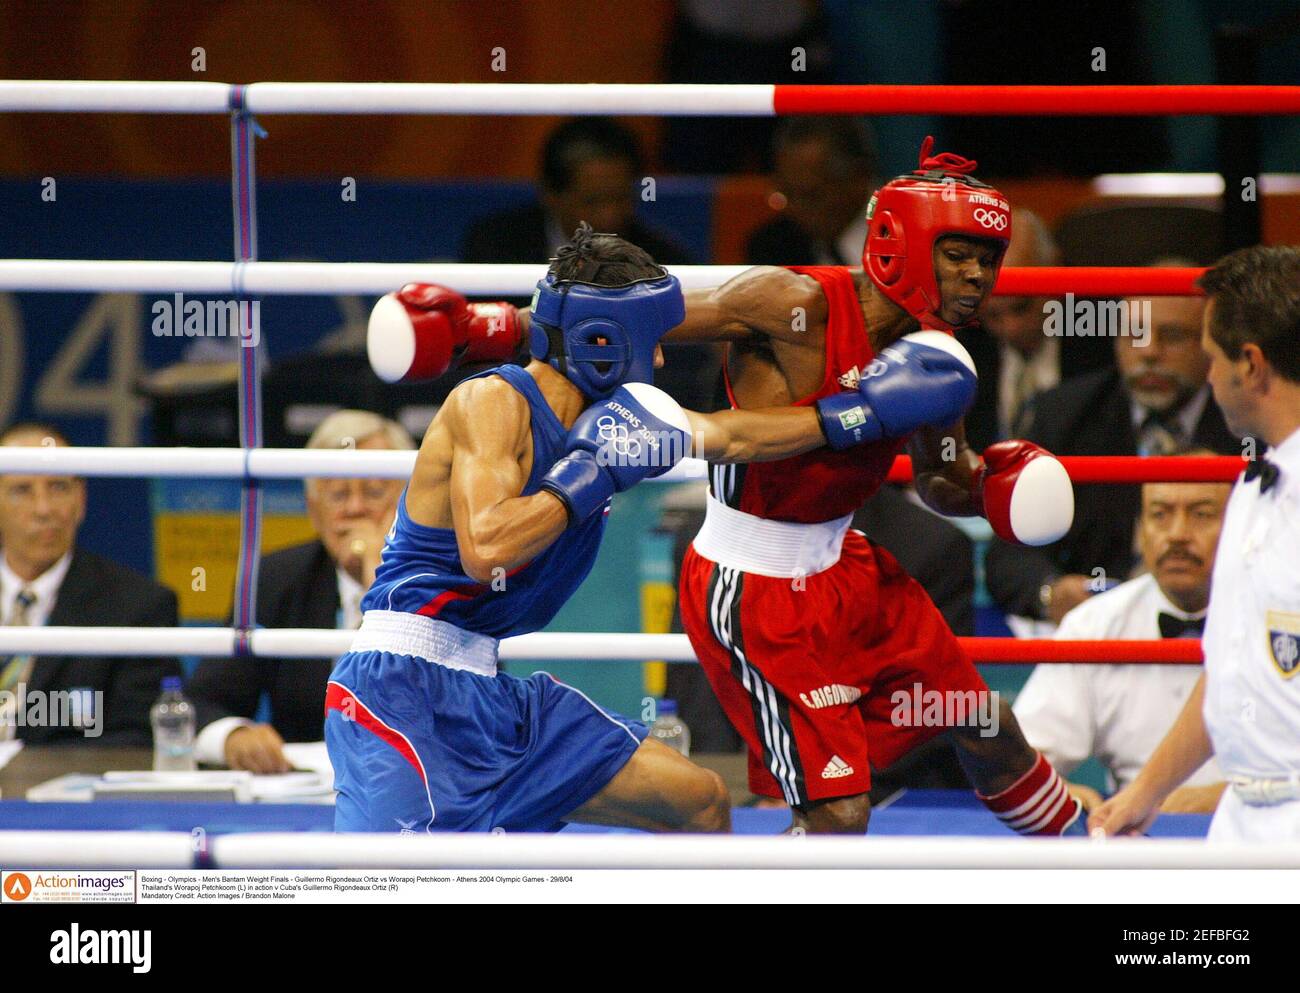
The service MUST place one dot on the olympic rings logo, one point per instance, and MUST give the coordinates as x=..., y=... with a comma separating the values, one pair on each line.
x=878, y=367
x=616, y=437
x=994, y=219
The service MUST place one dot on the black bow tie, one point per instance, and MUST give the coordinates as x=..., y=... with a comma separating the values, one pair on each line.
x=1180, y=627
x=1266, y=471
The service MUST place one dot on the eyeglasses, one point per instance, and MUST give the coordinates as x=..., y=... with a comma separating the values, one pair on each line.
x=335, y=493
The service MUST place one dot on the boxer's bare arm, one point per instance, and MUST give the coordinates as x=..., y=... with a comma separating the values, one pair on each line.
x=762, y=301
x=943, y=470
x=1185, y=748
x=755, y=435
x=496, y=528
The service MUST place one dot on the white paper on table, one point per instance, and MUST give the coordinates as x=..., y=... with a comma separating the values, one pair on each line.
x=293, y=787
x=311, y=756
x=8, y=749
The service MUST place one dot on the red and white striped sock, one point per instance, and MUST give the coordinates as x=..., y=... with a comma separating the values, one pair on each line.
x=1037, y=803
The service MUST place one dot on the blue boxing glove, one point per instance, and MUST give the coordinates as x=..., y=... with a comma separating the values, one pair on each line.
x=637, y=433
x=924, y=378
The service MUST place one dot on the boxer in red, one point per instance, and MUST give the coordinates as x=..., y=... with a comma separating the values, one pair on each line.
x=827, y=657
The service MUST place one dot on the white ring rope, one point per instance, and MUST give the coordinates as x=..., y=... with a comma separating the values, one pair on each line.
x=615, y=851
x=664, y=99
x=293, y=278
x=310, y=643
x=312, y=850
x=96, y=850
x=237, y=463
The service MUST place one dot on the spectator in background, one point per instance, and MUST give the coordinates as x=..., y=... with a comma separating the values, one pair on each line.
x=739, y=41
x=591, y=167
x=314, y=585
x=46, y=579
x=1154, y=402
x=1014, y=358
x=1120, y=713
x=825, y=172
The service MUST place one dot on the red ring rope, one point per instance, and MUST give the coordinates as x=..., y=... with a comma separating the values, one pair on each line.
x=1047, y=101
x=1098, y=281
x=1018, y=651
x=1127, y=468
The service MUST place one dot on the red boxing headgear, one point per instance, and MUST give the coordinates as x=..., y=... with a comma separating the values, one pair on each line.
x=908, y=214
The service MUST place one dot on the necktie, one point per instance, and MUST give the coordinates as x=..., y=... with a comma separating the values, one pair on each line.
x=1158, y=436
x=1022, y=391
x=1266, y=471
x=14, y=669
x=1180, y=627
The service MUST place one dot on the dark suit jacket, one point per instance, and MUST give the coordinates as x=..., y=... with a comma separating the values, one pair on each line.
x=99, y=593
x=933, y=551
x=519, y=235
x=1077, y=356
x=1088, y=415
x=296, y=588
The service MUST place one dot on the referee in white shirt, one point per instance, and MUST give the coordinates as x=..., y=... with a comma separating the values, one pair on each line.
x=1119, y=713
x=1246, y=708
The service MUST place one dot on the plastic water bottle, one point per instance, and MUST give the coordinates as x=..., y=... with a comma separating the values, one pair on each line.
x=173, y=723
x=669, y=729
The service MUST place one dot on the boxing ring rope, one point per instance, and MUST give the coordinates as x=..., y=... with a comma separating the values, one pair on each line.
x=598, y=646
x=627, y=99
x=310, y=850
x=481, y=279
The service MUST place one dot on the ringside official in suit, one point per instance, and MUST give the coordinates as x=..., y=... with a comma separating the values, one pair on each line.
x=46, y=579
x=1155, y=402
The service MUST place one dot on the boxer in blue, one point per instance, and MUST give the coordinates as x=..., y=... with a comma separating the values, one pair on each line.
x=499, y=524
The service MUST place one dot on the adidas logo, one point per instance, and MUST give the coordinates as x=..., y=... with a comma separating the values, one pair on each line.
x=837, y=768
x=849, y=380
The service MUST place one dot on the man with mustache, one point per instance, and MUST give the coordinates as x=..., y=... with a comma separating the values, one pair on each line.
x=1119, y=713
x=1154, y=402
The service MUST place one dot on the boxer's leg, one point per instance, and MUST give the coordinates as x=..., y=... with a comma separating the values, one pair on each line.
x=659, y=789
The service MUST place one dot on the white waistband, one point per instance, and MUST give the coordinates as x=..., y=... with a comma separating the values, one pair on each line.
x=1266, y=792
x=742, y=541
x=400, y=633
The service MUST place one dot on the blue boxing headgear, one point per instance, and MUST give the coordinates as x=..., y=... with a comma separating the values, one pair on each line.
x=569, y=316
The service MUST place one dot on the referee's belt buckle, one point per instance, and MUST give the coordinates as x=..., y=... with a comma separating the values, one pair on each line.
x=1266, y=792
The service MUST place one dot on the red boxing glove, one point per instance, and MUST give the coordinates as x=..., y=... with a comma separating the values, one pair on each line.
x=1025, y=492
x=423, y=330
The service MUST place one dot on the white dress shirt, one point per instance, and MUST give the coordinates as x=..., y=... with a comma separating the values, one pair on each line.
x=45, y=586
x=1252, y=647
x=210, y=745
x=1116, y=713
